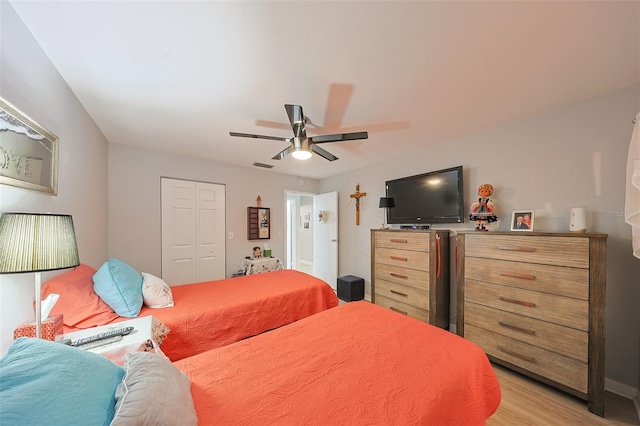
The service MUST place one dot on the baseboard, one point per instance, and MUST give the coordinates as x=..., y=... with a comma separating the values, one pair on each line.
x=636, y=404
x=621, y=389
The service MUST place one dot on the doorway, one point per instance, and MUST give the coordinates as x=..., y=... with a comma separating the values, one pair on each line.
x=299, y=232
x=312, y=242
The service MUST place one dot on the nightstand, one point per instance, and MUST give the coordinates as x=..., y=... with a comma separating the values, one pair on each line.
x=132, y=342
x=260, y=265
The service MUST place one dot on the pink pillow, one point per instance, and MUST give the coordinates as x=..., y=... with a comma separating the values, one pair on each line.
x=79, y=303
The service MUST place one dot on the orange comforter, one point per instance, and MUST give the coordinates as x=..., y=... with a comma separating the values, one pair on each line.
x=211, y=314
x=355, y=364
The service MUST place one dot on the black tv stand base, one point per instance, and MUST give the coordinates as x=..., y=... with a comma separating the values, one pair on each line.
x=421, y=227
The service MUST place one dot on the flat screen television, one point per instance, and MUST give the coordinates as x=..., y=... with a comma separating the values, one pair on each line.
x=434, y=197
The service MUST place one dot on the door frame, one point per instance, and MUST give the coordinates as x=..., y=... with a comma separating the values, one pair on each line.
x=289, y=232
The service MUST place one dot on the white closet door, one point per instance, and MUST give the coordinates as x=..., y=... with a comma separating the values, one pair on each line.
x=193, y=231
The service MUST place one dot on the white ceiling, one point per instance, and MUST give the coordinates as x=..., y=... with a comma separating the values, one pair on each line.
x=177, y=76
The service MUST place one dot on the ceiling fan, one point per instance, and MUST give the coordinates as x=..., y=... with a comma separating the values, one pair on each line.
x=302, y=146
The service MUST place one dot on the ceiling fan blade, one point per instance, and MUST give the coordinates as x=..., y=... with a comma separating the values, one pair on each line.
x=321, y=152
x=339, y=137
x=382, y=127
x=273, y=124
x=296, y=118
x=339, y=97
x=249, y=135
x=282, y=154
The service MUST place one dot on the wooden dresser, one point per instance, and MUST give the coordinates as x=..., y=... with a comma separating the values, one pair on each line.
x=410, y=273
x=535, y=303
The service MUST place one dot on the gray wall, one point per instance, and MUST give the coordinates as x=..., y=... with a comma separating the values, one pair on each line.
x=29, y=81
x=571, y=157
x=134, y=203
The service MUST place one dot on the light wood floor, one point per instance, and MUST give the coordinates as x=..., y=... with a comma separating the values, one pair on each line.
x=528, y=402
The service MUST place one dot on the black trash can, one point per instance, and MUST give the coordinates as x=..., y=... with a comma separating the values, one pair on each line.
x=350, y=288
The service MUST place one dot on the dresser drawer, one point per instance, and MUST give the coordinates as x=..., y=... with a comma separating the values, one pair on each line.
x=403, y=258
x=556, y=338
x=402, y=293
x=560, y=280
x=551, y=365
x=415, y=241
x=561, y=251
x=403, y=308
x=547, y=307
x=400, y=275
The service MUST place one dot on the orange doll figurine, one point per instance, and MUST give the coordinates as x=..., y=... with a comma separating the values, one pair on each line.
x=482, y=209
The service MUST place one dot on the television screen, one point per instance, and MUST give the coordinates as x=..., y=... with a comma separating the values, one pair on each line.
x=434, y=197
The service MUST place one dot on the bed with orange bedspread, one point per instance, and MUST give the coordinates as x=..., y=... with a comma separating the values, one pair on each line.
x=354, y=364
x=215, y=313
x=205, y=315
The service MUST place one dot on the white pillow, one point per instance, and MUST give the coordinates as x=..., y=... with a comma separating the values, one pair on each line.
x=153, y=392
x=155, y=292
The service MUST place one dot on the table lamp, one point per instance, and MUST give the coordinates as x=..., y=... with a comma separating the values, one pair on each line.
x=386, y=203
x=37, y=242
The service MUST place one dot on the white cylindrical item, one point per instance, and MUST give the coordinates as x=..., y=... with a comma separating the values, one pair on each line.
x=578, y=220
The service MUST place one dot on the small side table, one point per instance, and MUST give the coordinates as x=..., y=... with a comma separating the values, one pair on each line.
x=132, y=342
x=260, y=265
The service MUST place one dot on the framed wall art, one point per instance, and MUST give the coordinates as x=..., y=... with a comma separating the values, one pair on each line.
x=258, y=223
x=522, y=220
x=28, y=152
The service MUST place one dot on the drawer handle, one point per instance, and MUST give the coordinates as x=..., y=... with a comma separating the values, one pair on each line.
x=397, y=240
x=398, y=293
x=516, y=248
x=517, y=302
x=517, y=275
x=516, y=328
x=404, y=259
x=404, y=277
x=516, y=354
x=398, y=311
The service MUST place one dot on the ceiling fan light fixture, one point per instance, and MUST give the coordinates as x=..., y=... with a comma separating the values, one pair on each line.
x=301, y=149
x=301, y=154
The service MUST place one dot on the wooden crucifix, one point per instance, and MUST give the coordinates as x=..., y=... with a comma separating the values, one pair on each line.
x=357, y=196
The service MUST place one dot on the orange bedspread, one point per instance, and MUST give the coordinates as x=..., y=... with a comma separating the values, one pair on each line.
x=355, y=364
x=215, y=313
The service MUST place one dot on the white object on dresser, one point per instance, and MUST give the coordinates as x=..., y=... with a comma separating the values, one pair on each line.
x=535, y=303
x=410, y=273
x=132, y=342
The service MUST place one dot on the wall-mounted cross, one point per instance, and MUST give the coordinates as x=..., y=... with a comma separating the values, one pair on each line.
x=357, y=196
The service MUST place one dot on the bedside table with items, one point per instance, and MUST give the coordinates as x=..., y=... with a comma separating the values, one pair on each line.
x=146, y=336
x=260, y=265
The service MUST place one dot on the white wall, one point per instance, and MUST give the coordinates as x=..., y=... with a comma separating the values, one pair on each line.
x=574, y=157
x=134, y=203
x=29, y=81
x=571, y=157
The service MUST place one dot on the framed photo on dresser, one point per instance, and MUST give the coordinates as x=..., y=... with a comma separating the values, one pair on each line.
x=522, y=220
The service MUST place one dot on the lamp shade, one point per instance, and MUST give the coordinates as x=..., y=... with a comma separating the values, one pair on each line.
x=35, y=242
x=386, y=202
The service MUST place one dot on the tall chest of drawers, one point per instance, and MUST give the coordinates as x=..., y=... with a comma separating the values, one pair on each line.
x=410, y=273
x=535, y=303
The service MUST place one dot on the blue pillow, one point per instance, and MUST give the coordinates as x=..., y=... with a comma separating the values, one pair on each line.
x=120, y=286
x=50, y=383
